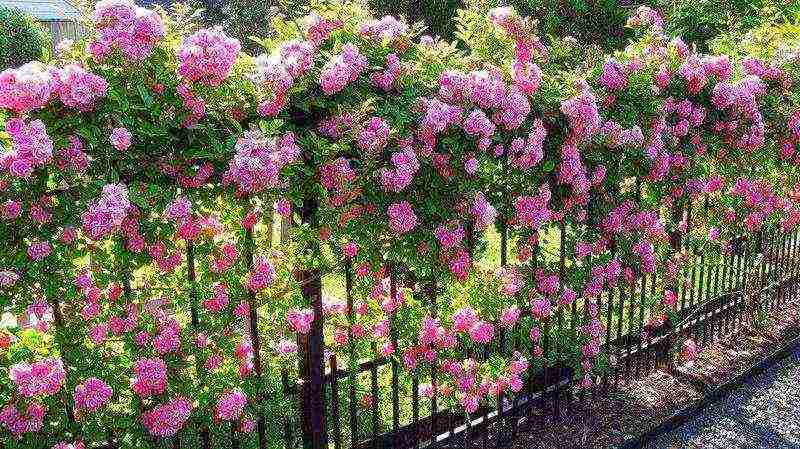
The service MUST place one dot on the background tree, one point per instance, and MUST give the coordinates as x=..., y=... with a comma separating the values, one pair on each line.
x=21, y=39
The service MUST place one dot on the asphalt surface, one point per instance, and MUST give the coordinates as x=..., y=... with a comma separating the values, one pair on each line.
x=764, y=412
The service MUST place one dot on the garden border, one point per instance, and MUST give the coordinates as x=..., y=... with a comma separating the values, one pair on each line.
x=683, y=415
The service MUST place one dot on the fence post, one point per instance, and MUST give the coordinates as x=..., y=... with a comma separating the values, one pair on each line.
x=255, y=337
x=62, y=343
x=312, y=351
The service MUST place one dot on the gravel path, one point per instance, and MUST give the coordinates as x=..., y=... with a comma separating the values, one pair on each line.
x=762, y=413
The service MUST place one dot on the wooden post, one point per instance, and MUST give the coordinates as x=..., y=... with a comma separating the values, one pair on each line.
x=312, y=351
x=255, y=337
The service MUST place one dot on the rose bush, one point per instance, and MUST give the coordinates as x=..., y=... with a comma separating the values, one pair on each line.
x=143, y=168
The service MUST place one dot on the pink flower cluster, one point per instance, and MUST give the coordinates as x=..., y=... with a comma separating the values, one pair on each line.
x=259, y=160
x=20, y=422
x=218, y=300
x=526, y=154
x=514, y=109
x=166, y=261
x=39, y=250
x=745, y=126
x=337, y=125
x=449, y=236
x=262, y=276
x=437, y=117
x=319, y=28
x=276, y=73
x=388, y=29
x=11, y=209
x=38, y=379
x=399, y=177
x=527, y=76
x=478, y=124
x=614, y=76
x=168, y=337
x=401, y=217
x=206, y=57
x=167, y=419
x=122, y=25
x=374, y=136
x=451, y=86
x=179, y=209
x=617, y=137
x=533, y=211
x=91, y=395
x=300, y=320
x=106, y=215
x=483, y=213
x=72, y=157
x=647, y=17
x=26, y=88
x=385, y=79
x=8, y=278
x=78, y=88
x=31, y=148
x=336, y=177
x=150, y=377
x=230, y=405
x=486, y=88
x=342, y=70
x=764, y=70
x=120, y=138
x=582, y=113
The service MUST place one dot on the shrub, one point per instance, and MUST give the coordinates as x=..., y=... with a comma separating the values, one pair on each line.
x=21, y=39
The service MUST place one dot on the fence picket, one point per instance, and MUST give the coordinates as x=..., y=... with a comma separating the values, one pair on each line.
x=192, y=275
x=394, y=365
x=337, y=431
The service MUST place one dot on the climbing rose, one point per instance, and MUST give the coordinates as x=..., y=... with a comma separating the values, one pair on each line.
x=401, y=217
x=230, y=405
x=91, y=395
x=167, y=419
x=26, y=88
x=342, y=70
x=206, y=57
x=120, y=139
x=122, y=25
x=42, y=378
x=78, y=88
x=150, y=377
x=19, y=422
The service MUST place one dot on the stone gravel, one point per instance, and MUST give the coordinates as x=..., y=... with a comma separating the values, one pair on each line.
x=762, y=413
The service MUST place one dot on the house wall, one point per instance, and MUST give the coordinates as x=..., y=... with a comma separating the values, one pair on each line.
x=64, y=29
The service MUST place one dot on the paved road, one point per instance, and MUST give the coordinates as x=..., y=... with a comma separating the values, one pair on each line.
x=763, y=413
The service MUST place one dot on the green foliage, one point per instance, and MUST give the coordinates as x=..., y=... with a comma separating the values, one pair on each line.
x=436, y=14
x=778, y=35
x=21, y=39
x=701, y=21
x=241, y=19
x=599, y=23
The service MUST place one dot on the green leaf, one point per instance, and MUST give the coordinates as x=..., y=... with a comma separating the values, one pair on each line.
x=145, y=95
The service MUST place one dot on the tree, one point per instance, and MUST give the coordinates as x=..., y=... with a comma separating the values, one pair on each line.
x=21, y=39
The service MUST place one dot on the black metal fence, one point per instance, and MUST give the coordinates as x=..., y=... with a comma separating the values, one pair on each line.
x=739, y=289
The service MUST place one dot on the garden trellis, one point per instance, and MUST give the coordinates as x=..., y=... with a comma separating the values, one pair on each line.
x=477, y=230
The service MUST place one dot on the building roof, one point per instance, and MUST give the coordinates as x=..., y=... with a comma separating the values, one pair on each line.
x=166, y=4
x=44, y=10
